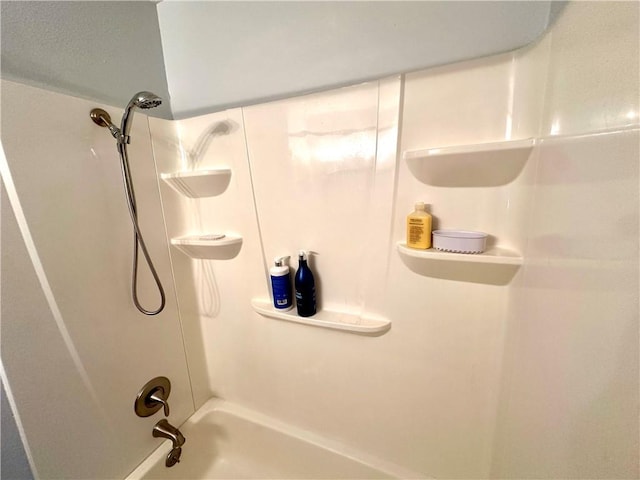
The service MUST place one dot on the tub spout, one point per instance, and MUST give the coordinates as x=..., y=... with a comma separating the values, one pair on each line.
x=164, y=429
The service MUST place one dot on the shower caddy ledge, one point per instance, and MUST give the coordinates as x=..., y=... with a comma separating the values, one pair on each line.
x=505, y=156
x=492, y=164
x=208, y=247
x=199, y=183
x=495, y=255
x=348, y=322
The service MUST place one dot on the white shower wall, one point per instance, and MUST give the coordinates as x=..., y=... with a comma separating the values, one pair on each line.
x=322, y=172
x=317, y=172
x=211, y=294
x=570, y=394
x=75, y=350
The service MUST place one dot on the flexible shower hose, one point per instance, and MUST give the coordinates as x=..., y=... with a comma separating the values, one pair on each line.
x=138, y=240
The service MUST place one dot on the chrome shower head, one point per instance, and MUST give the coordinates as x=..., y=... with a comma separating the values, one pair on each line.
x=143, y=100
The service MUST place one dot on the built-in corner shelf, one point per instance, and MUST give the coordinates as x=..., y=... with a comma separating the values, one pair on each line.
x=209, y=246
x=361, y=324
x=496, y=266
x=484, y=164
x=495, y=255
x=199, y=183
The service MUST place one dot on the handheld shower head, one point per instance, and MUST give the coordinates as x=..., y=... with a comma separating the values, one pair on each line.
x=143, y=100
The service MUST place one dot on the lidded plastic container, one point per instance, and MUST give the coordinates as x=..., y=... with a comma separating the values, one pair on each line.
x=459, y=241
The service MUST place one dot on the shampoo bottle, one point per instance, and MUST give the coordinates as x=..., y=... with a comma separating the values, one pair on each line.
x=419, y=228
x=305, y=287
x=281, y=285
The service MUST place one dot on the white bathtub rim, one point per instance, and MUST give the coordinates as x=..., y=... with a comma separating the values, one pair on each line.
x=217, y=404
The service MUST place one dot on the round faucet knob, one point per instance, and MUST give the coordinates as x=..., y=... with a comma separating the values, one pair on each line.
x=152, y=397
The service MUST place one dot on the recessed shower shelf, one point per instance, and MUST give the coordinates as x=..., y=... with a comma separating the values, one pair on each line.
x=199, y=183
x=349, y=322
x=213, y=246
x=495, y=255
x=483, y=164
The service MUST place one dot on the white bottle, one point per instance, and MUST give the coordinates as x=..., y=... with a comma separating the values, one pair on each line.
x=281, y=284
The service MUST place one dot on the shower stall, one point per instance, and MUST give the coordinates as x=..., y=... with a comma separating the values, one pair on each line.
x=521, y=362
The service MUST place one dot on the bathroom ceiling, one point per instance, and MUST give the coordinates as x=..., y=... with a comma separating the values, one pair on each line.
x=104, y=51
x=207, y=56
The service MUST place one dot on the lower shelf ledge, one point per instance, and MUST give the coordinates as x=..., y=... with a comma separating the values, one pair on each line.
x=496, y=266
x=348, y=322
x=495, y=255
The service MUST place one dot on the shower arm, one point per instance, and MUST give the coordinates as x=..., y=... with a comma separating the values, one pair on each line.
x=103, y=119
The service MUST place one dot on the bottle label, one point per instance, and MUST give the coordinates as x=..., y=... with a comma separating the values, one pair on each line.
x=419, y=232
x=416, y=230
x=281, y=291
x=306, y=301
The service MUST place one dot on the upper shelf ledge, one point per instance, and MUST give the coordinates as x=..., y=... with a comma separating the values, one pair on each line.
x=483, y=164
x=199, y=183
x=212, y=246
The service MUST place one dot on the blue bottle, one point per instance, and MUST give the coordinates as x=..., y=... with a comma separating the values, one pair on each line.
x=305, y=287
x=281, y=285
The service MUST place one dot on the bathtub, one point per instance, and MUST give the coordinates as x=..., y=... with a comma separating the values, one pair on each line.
x=227, y=441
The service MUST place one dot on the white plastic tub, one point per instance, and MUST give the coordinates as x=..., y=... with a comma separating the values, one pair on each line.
x=459, y=241
x=226, y=441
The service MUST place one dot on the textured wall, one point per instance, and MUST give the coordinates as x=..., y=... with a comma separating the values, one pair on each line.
x=104, y=51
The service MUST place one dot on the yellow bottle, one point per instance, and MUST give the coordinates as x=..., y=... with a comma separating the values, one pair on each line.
x=419, y=228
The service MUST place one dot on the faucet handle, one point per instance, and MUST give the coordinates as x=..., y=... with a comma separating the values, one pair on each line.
x=152, y=397
x=156, y=396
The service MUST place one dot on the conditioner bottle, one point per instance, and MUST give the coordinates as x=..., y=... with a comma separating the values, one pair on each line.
x=419, y=228
x=281, y=285
x=305, y=287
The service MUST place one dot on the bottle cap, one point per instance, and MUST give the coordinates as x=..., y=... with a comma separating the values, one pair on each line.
x=279, y=261
x=421, y=206
x=304, y=254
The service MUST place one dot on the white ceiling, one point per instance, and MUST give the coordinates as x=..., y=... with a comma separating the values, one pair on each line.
x=205, y=56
